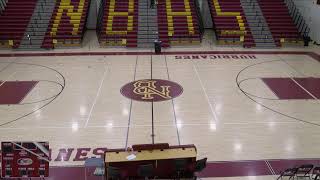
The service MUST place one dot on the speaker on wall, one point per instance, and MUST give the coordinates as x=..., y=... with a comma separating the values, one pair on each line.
x=318, y=2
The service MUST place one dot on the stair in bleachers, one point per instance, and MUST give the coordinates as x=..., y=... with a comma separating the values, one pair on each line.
x=178, y=22
x=37, y=27
x=66, y=27
x=14, y=20
x=279, y=21
x=230, y=23
x=258, y=25
x=119, y=23
x=148, y=24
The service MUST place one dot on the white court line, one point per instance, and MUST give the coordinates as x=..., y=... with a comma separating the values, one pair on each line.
x=269, y=167
x=304, y=89
x=290, y=76
x=96, y=98
x=125, y=126
x=40, y=157
x=8, y=78
x=214, y=114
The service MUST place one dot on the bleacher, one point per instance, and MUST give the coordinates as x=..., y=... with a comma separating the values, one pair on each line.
x=118, y=23
x=230, y=23
x=279, y=20
x=178, y=23
x=67, y=24
x=14, y=20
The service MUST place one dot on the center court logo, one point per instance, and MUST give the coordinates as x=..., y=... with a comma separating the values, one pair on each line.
x=151, y=90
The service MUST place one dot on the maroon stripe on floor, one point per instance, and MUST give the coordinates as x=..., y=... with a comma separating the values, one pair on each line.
x=233, y=169
x=314, y=56
x=67, y=173
x=312, y=85
x=13, y=92
x=286, y=88
x=213, y=169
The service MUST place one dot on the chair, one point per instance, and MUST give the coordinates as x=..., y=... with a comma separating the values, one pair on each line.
x=304, y=170
x=198, y=166
x=316, y=173
x=146, y=171
x=114, y=173
x=291, y=172
x=180, y=167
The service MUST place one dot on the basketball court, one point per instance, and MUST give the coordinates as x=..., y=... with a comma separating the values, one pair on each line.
x=258, y=110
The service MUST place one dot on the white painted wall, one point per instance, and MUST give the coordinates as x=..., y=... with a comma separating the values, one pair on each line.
x=311, y=12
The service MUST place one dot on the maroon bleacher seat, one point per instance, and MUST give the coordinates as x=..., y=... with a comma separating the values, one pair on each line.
x=14, y=21
x=230, y=23
x=127, y=37
x=65, y=34
x=279, y=20
x=181, y=32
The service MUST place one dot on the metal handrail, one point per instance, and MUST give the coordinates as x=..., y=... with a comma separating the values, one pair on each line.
x=199, y=17
x=298, y=19
x=100, y=17
x=3, y=4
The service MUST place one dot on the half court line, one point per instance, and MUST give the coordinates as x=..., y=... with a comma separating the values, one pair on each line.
x=130, y=111
x=173, y=105
x=152, y=107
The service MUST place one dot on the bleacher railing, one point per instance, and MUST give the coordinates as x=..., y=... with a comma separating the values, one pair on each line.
x=3, y=4
x=101, y=12
x=196, y=2
x=260, y=21
x=85, y=21
x=298, y=19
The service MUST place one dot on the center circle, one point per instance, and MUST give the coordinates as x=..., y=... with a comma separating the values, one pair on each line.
x=151, y=90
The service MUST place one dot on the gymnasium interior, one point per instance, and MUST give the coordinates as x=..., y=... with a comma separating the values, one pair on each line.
x=159, y=89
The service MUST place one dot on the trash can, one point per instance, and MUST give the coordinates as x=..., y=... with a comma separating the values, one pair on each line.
x=157, y=46
x=306, y=40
